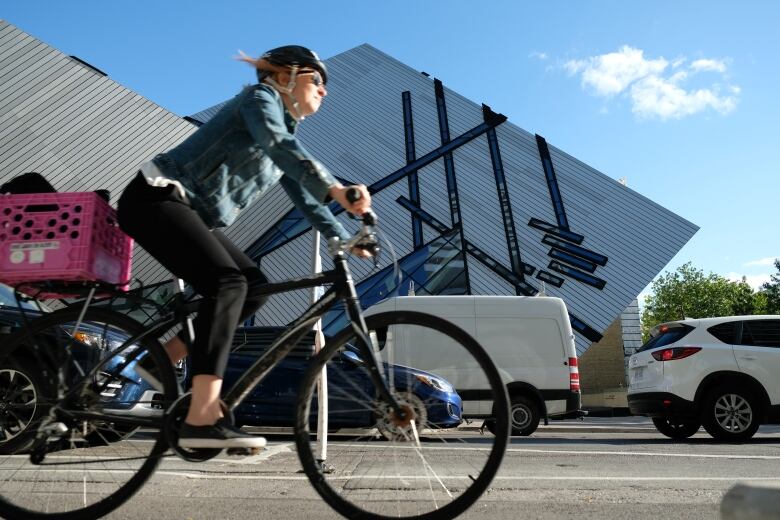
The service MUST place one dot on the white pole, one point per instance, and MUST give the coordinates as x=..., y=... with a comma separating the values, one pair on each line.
x=319, y=343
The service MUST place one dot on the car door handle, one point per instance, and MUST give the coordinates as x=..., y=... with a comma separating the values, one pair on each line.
x=747, y=358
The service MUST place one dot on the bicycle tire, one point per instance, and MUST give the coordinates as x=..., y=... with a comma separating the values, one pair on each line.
x=360, y=476
x=33, y=491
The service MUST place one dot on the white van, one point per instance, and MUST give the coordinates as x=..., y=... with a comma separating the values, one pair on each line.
x=528, y=338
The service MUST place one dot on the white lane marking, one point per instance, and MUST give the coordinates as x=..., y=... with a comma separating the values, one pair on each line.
x=648, y=454
x=276, y=449
x=267, y=453
x=197, y=476
x=571, y=452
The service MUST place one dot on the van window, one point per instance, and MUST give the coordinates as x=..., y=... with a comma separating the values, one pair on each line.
x=666, y=334
x=725, y=332
x=761, y=333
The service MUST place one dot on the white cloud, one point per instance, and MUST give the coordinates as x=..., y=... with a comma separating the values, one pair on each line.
x=538, y=55
x=655, y=89
x=769, y=261
x=664, y=98
x=708, y=65
x=753, y=280
x=610, y=74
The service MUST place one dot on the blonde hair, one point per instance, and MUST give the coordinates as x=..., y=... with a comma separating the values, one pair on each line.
x=259, y=63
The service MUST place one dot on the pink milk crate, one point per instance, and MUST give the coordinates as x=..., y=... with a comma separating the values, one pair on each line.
x=61, y=237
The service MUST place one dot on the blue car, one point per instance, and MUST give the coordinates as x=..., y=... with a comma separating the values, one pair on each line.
x=272, y=403
x=24, y=385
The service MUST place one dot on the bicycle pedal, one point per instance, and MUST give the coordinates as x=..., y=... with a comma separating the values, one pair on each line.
x=243, y=452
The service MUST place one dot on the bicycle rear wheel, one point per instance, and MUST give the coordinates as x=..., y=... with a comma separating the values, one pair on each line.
x=80, y=430
x=431, y=465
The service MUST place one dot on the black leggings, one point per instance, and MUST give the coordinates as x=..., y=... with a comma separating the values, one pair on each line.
x=175, y=235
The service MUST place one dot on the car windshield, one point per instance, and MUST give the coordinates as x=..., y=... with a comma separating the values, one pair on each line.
x=666, y=334
x=7, y=299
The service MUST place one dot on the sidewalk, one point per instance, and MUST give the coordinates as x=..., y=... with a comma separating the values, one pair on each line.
x=590, y=425
x=600, y=425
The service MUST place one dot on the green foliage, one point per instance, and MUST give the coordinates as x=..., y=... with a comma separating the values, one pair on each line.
x=689, y=293
x=771, y=291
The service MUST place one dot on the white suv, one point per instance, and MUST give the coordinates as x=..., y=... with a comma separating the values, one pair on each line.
x=722, y=373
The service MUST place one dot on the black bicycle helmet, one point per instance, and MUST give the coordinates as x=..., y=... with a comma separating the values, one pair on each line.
x=290, y=55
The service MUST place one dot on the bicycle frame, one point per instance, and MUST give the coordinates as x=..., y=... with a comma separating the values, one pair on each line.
x=343, y=289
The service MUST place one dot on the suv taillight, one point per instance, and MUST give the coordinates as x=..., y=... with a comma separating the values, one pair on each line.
x=672, y=354
x=574, y=375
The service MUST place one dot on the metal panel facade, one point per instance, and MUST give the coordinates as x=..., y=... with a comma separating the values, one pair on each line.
x=598, y=240
x=364, y=111
x=77, y=127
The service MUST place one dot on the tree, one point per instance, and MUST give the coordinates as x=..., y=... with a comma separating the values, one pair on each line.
x=771, y=291
x=689, y=293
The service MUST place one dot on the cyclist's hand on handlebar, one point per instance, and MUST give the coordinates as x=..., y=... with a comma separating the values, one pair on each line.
x=359, y=206
x=361, y=253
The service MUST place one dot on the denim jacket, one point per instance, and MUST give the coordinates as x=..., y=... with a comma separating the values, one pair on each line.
x=242, y=151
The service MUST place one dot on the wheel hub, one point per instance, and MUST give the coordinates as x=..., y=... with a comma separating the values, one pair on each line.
x=520, y=417
x=733, y=413
x=390, y=423
x=409, y=416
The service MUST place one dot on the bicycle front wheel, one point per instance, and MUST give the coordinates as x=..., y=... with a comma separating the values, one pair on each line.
x=80, y=428
x=429, y=463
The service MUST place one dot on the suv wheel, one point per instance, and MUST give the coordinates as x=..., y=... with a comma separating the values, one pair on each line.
x=677, y=429
x=730, y=415
x=21, y=405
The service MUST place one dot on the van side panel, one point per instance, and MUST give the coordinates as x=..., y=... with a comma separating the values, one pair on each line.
x=528, y=350
x=529, y=340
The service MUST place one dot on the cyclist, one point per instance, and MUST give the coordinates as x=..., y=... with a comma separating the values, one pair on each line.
x=175, y=205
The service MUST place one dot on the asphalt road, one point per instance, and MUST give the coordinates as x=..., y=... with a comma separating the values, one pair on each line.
x=598, y=468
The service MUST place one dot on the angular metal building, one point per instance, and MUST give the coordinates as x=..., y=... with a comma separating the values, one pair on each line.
x=471, y=203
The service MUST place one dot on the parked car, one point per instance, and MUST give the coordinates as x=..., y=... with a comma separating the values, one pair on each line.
x=20, y=382
x=24, y=385
x=722, y=373
x=124, y=392
x=272, y=402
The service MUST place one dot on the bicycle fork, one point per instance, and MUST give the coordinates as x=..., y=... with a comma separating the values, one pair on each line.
x=370, y=354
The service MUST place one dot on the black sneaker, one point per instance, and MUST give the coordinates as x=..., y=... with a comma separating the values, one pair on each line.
x=220, y=435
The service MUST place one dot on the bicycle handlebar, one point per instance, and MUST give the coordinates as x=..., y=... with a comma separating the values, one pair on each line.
x=365, y=238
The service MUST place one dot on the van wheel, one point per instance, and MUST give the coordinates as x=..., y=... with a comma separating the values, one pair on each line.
x=730, y=415
x=524, y=416
x=677, y=429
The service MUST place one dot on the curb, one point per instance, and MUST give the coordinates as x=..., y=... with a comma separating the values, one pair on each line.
x=582, y=429
x=751, y=502
x=595, y=429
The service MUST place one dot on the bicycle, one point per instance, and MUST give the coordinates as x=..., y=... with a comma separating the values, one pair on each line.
x=91, y=441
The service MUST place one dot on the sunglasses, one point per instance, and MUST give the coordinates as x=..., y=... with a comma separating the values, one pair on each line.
x=316, y=78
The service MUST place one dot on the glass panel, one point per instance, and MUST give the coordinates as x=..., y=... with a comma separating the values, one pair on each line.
x=761, y=333
x=434, y=269
x=725, y=332
x=665, y=335
x=440, y=282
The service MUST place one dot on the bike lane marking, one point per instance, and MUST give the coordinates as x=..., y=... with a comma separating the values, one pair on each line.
x=647, y=454
x=267, y=453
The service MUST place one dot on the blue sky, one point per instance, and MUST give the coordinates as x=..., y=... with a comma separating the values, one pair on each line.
x=678, y=98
